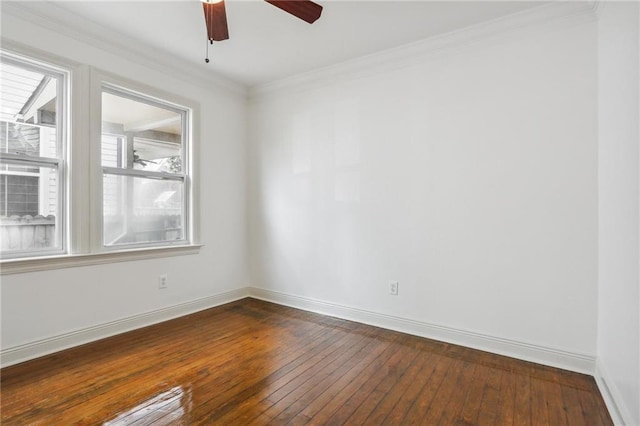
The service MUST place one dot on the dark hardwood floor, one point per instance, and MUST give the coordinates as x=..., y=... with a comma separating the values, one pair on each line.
x=252, y=362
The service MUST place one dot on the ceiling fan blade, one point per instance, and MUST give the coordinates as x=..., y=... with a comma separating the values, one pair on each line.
x=215, y=17
x=304, y=9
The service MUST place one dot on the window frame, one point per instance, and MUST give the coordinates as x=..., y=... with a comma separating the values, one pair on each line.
x=82, y=179
x=183, y=177
x=59, y=163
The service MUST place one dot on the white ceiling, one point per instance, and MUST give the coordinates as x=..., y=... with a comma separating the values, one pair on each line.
x=267, y=44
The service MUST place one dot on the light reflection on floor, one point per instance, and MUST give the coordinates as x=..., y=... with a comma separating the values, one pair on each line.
x=167, y=407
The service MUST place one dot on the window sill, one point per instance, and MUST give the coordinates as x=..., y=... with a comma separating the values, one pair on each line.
x=18, y=266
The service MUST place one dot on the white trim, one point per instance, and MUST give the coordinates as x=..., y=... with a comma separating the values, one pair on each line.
x=45, y=263
x=553, y=357
x=79, y=171
x=521, y=350
x=611, y=395
x=149, y=174
x=63, y=21
x=58, y=343
x=551, y=15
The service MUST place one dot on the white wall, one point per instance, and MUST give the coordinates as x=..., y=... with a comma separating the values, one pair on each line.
x=37, y=306
x=619, y=213
x=469, y=175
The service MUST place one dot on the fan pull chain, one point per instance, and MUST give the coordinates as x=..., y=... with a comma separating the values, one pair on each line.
x=206, y=59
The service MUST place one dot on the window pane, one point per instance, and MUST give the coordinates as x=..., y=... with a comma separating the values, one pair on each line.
x=141, y=210
x=31, y=113
x=140, y=135
x=28, y=111
x=28, y=208
x=112, y=151
x=28, y=139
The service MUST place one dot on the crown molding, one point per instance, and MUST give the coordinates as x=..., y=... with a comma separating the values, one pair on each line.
x=64, y=22
x=549, y=15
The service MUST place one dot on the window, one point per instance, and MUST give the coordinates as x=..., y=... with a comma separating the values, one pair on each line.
x=144, y=173
x=122, y=186
x=32, y=162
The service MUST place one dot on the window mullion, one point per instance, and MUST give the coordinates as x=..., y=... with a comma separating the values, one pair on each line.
x=24, y=160
x=143, y=174
x=79, y=187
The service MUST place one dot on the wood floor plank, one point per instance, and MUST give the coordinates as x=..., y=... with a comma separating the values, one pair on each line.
x=473, y=398
x=423, y=374
x=438, y=397
x=451, y=411
x=391, y=373
x=393, y=396
x=143, y=383
x=490, y=398
x=246, y=404
x=592, y=409
x=284, y=399
x=253, y=362
x=314, y=389
x=507, y=394
x=300, y=358
x=338, y=410
x=573, y=410
x=523, y=400
x=539, y=407
x=313, y=366
x=105, y=374
x=339, y=387
x=555, y=404
x=139, y=381
x=430, y=389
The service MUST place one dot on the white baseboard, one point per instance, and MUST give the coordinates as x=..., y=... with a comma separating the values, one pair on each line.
x=617, y=409
x=539, y=354
x=20, y=353
x=521, y=350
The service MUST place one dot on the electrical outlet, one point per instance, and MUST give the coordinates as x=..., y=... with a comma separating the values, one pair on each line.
x=393, y=288
x=163, y=281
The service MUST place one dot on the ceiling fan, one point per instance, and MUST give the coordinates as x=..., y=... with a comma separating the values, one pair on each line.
x=215, y=16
